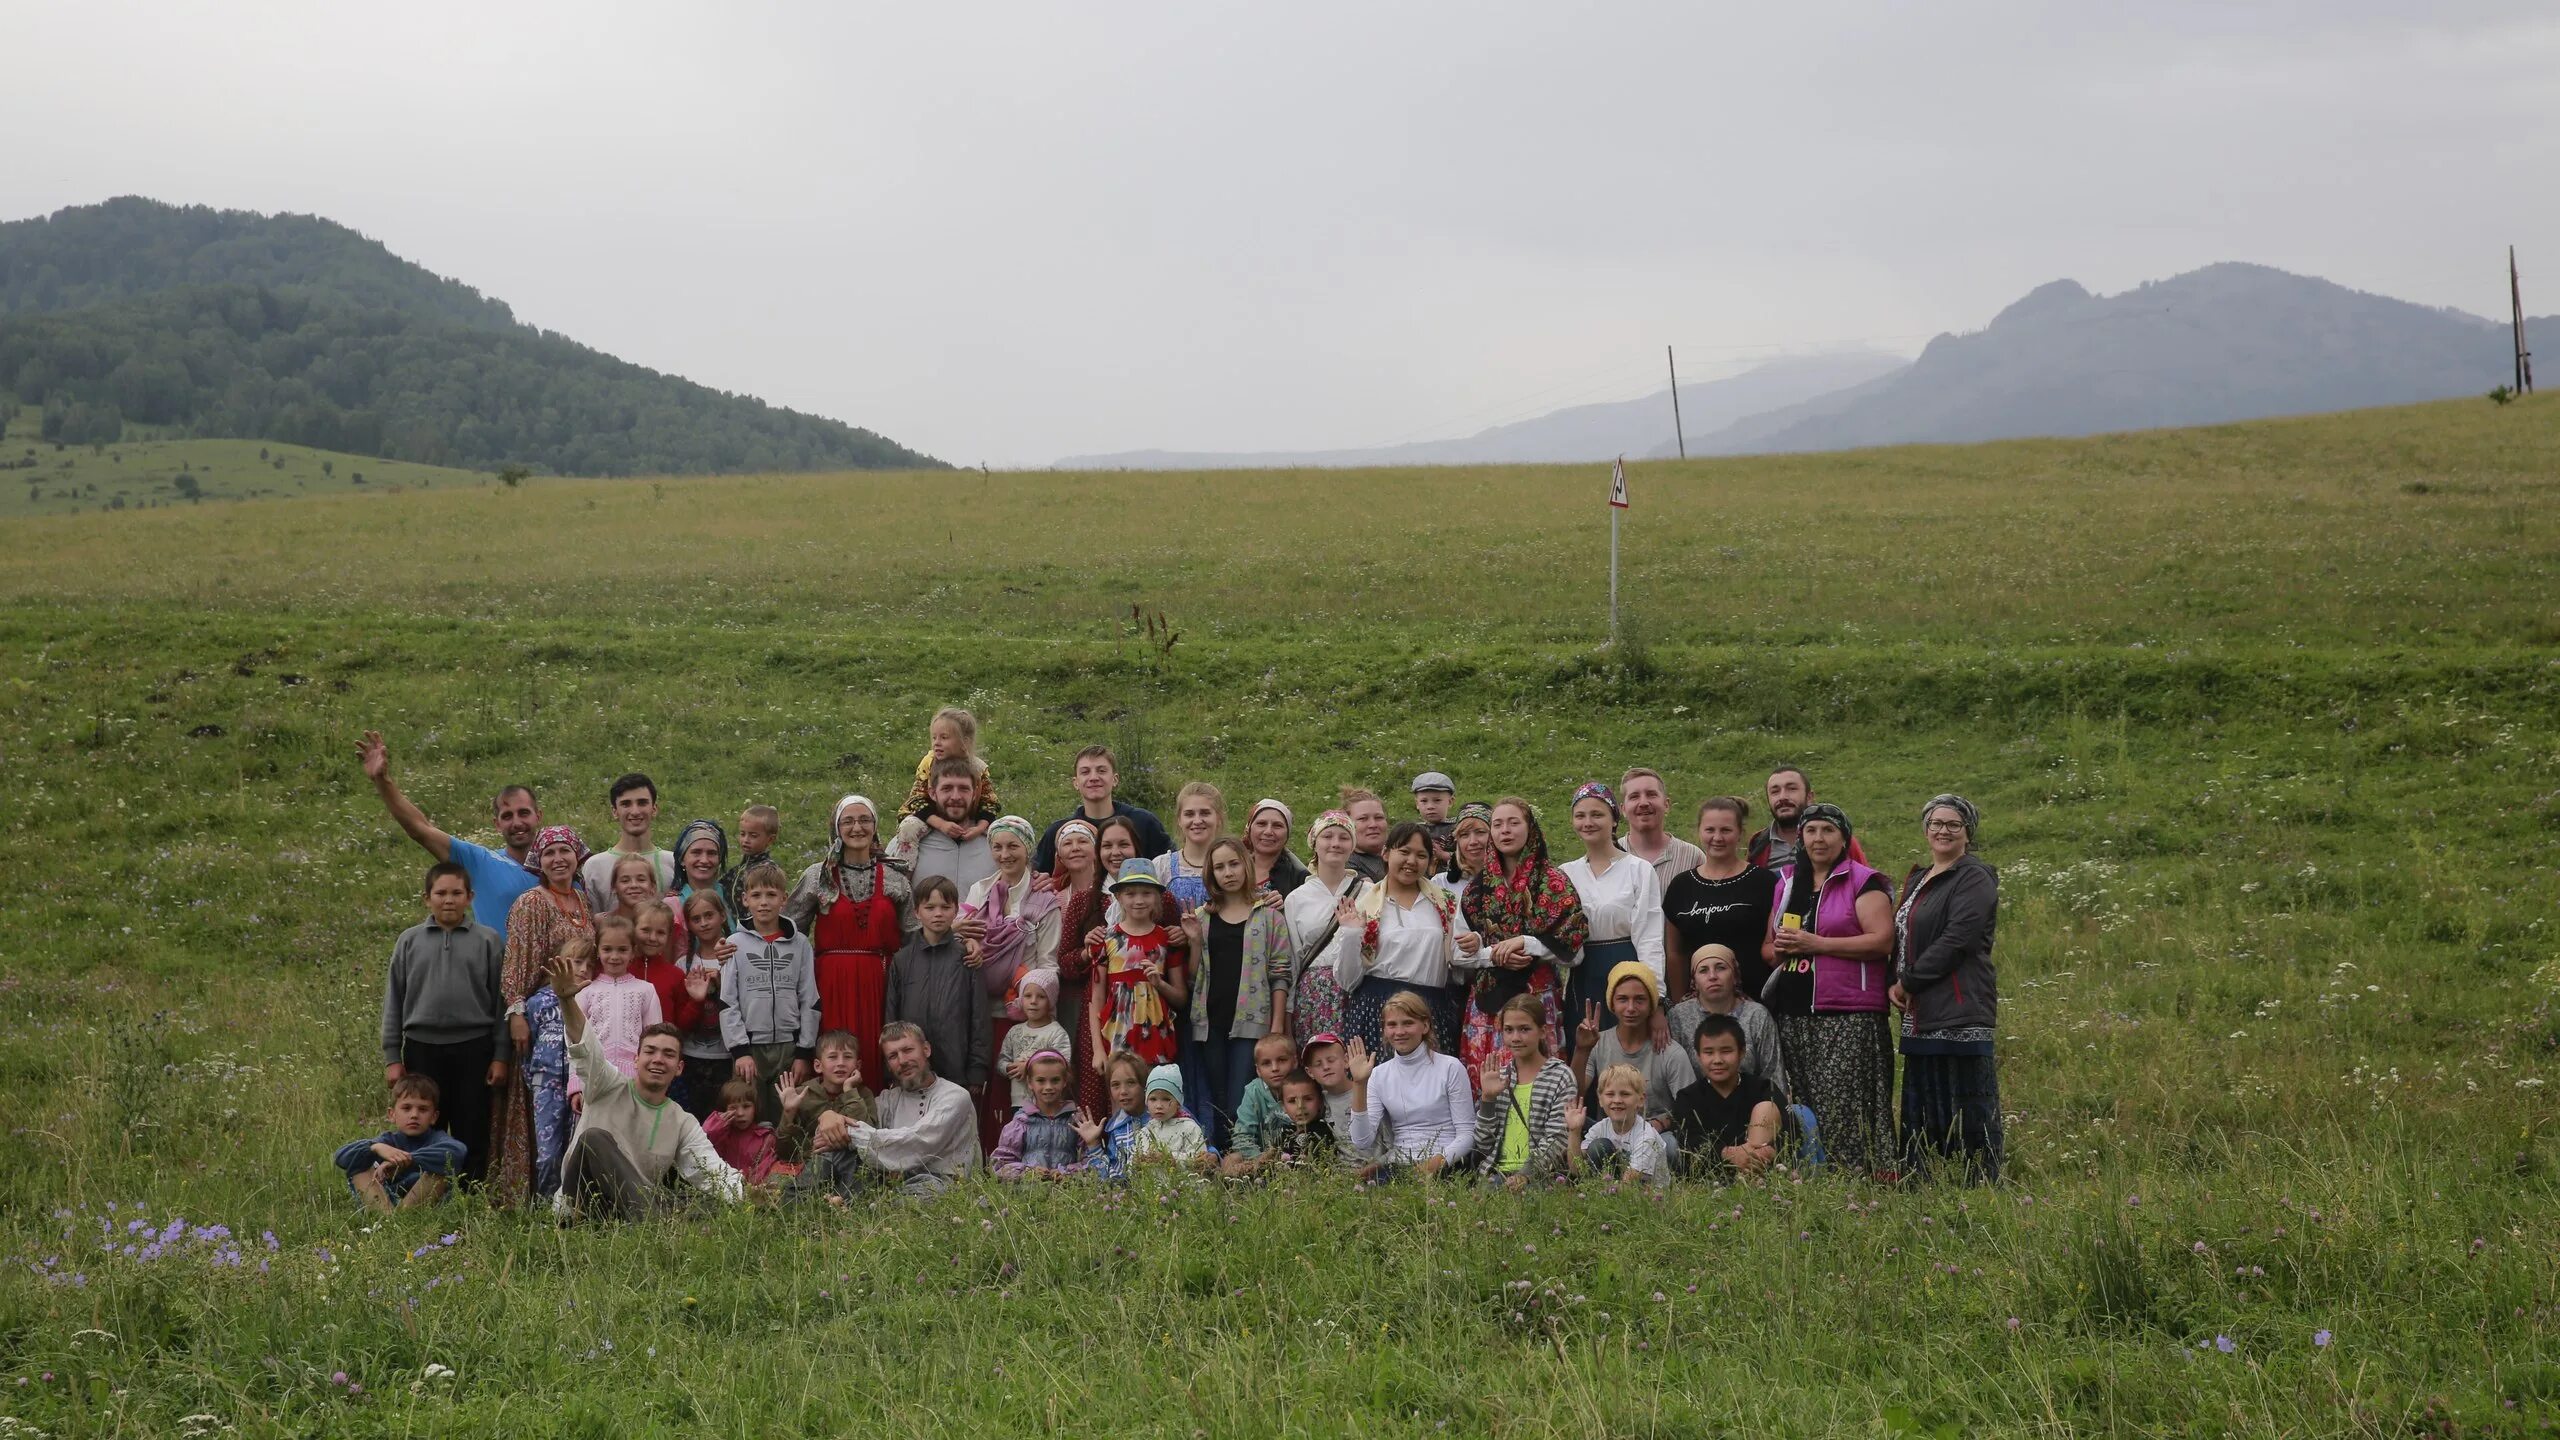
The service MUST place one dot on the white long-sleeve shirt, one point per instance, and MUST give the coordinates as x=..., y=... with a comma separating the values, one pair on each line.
x=1309, y=911
x=933, y=1130
x=1412, y=948
x=657, y=1138
x=1419, y=1105
x=1623, y=903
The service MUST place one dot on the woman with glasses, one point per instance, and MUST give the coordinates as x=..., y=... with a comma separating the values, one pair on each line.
x=1947, y=993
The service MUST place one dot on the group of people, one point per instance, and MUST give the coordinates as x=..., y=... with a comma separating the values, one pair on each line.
x=951, y=989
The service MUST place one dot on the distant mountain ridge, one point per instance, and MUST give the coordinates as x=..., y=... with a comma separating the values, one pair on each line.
x=1577, y=433
x=2226, y=342
x=232, y=324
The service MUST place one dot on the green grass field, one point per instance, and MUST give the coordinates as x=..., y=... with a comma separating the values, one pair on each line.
x=2264, y=722
x=142, y=474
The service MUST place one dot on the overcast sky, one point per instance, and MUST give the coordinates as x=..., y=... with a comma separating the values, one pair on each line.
x=1014, y=232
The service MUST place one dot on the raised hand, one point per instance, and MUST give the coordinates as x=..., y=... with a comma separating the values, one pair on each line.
x=1587, y=1034
x=1089, y=1131
x=697, y=982
x=374, y=756
x=790, y=1090
x=1361, y=1062
x=1574, y=1114
x=1495, y=1081
x=1345, y=913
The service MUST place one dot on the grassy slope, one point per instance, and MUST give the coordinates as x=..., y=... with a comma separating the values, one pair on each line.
x=2261, y=719
x=142, y=473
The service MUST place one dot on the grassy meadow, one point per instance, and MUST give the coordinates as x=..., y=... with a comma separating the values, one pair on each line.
x=2264, y=723
x=43, y=478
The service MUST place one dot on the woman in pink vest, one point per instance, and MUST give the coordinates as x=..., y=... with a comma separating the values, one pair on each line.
x=1830, y=947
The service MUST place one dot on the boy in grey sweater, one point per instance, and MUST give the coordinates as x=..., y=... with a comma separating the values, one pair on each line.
x=932, y=988
x=444, y=1012
x=768, y=993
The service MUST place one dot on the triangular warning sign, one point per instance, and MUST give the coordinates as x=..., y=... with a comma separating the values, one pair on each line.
x=1618, y=482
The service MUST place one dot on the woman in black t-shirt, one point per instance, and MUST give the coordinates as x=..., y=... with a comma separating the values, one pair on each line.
x=1725, y=901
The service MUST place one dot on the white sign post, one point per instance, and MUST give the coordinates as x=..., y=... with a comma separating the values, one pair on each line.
x=1617, y=502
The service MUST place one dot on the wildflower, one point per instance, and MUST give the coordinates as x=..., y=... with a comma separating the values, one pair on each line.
x=2321, y=1338
x=2225, y=1344
x=2014, y=1323
x=338, y=1377
x=2132, y=1201
x=2200, y=1247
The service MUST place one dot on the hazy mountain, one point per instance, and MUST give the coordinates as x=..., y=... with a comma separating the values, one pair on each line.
x=1581, y=433
x=230, y=324
x=2227, y=342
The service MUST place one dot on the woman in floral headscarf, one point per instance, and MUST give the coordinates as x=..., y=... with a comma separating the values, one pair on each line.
x=1317, y=937
x=853, y=907
x=539, y=923
x=1531, y=921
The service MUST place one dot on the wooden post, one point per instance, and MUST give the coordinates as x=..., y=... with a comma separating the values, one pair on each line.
x=1677, y=433
x=2515, y=302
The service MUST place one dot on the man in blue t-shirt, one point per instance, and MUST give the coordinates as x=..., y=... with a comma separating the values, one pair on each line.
x=497, y=879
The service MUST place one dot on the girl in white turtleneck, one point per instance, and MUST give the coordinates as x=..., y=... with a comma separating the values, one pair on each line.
x=1414, y=1108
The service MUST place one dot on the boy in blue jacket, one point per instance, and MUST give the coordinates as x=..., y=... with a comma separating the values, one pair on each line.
x=410, y=1164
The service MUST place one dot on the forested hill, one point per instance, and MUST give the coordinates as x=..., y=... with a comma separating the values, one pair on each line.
x=291, y=328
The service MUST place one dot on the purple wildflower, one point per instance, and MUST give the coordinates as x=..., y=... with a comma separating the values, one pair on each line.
x=2321, y=1338
x=2225, y=1344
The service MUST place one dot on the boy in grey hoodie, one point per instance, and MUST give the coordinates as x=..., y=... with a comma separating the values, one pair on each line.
x=769, y=993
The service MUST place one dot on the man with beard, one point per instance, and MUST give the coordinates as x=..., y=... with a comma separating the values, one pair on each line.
x=1644, y=802
x=497, y=880
x=927, y=1138
x=954, y=786
x=1775, y=844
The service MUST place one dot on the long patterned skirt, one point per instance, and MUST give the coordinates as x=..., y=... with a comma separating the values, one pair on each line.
x=1951, y=1114
x=1846, y=1079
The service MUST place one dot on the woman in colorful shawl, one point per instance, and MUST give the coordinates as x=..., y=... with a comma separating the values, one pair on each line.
x=541, y=920
x=1077, y=879
x=853, y=907
x=1530, y=919
x=1830, y=947
x=1009, y=922
x=1408, y=942
x=1470, y=850
x=1317, y=937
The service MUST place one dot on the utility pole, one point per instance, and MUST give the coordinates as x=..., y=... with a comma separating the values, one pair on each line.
x=1674, y=362
x=2515, y=302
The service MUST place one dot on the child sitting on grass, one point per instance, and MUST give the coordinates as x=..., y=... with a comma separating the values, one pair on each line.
x=1303, y=1139
x=1110, y=1140
x=1170, y=1137
x=837, y=1091
x=1634, y=1003
x=1041, y=1141
x=1324, y=1058
x=1038, y=995
x=742, y=1140
x=1622, y=1143
x=617, y=1003
x=955, y=737
x=1258, y=1114
x=410, y=1164
x=1727, y=1123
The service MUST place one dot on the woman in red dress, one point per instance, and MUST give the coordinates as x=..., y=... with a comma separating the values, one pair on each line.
x=854, y=907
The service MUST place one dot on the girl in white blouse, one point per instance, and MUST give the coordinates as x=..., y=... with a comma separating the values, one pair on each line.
x=1622, y=896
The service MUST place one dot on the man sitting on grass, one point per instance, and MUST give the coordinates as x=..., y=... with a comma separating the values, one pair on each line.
x=631, y=1137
